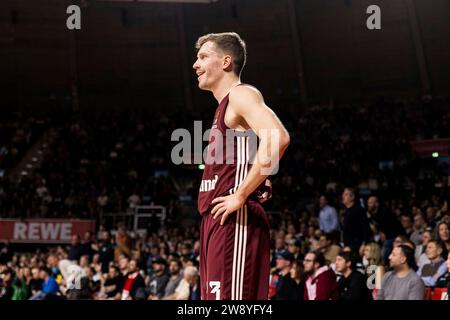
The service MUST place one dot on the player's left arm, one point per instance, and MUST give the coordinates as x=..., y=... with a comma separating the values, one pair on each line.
x=248, y=104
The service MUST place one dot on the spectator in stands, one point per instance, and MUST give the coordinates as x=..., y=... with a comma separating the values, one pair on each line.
x=183, y=291
x=123, y=268
x=328, y=247
x=35, y=283
x=176, y=276
x=420, y=254
x=407, y=224
x=123, y=243
x=49, y=286
x=444, y=280
x=6, y=287
x=111, y=284
x=400, y=240
x=321, y=280
x=286, y=287
x=87, y=245
x=106, y=251
x=52, y=264
x=280, y=246
x=158, y=281
x=431, y=216
x=134, y=283
x=312, y=238
x=134, y=200
x=402, y=283
x=443, y=234
x=411, y=244
x=383, y=222
x=20, y=285
x=432, y=271
x=76, y=249
x=194, y=287
x=298, y=275
x=84, y=261
x=371, y=254
x=356, y=229
x=352, y=285
x=294, y=247
x=6, y=253
x=328, y=217
x=419, y=228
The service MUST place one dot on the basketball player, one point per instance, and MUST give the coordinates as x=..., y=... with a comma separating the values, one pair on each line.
x=234, y=257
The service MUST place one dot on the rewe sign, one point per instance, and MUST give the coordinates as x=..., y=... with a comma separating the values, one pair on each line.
x=43, y=230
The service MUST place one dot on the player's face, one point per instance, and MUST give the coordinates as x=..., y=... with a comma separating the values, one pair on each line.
x=209, y=66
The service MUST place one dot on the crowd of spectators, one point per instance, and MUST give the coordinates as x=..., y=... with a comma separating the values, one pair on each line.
x=105, y=266
x=308, y=263
x=327, y=238
x=95, y=163
x=18, y=131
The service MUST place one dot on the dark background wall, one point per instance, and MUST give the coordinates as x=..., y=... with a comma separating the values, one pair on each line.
x=131, y=54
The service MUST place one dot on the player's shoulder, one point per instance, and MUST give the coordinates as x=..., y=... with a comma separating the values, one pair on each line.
x=244, y=89
x=244, y=93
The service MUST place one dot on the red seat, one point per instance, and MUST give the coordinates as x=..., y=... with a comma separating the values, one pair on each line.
x=374, y=293
x=440, y=294
x=428, y=293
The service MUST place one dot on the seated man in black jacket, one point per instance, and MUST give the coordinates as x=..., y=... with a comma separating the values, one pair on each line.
x=352, y=285
x=134, y=283
x=287, y=288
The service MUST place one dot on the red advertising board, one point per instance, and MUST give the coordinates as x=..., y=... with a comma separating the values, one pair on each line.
x=425, y=148
x=43, y=230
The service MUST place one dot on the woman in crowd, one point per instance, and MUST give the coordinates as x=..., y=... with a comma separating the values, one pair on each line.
x=443, y=234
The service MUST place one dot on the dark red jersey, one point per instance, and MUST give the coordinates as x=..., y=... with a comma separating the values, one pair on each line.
x=229, y=155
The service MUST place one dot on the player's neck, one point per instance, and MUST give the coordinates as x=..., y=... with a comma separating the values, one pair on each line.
x=224, y=87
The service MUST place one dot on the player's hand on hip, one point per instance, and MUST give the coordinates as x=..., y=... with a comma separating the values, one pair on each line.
x=266, y=192
x=227, y=205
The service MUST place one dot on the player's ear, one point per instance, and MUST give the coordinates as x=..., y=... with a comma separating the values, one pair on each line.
x=227, y=62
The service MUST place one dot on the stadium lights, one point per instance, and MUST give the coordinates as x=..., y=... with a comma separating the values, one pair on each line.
x=435, y=154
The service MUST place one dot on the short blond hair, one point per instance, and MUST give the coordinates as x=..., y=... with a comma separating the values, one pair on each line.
x=230, y=43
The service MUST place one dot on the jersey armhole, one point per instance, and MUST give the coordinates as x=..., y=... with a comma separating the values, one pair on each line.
x=222, y=118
